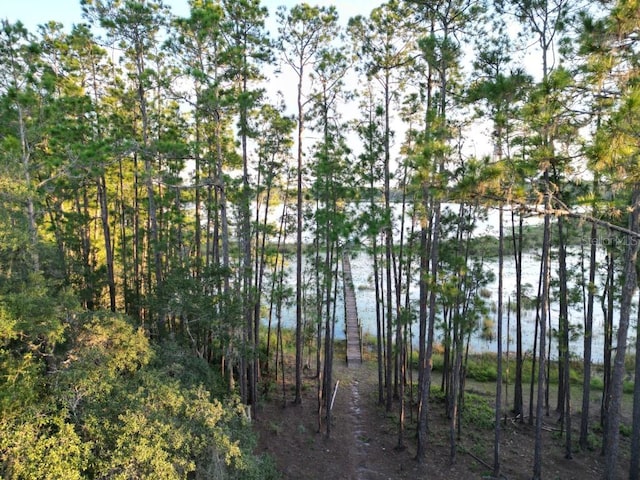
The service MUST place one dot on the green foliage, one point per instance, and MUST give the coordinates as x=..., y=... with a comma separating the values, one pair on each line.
x=42, y=445
x=597, y=383
x=32, y=324
x=482, y=368
x=40, y=310
x=630, y=361
x=477, y=411
x=288, y=340
x=437, y=361
x=594, y=441
x=21, y=382
x=437, y=394
x=488, y=327
x=575, y=376
x=175, y=361
x=118, y=407
x=626, y=430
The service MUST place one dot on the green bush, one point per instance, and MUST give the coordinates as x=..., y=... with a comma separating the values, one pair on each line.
x=630, y=360
x=597, y=383
x=575, y=377
x=43, y=446
x=626, y=430
x=477, y=411
x=437, y=360
x=482, y=371
x=116, y=406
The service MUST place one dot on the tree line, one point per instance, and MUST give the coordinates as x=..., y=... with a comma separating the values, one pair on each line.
x=151, y=184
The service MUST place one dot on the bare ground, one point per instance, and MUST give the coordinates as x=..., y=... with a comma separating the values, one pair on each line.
x=363, y=441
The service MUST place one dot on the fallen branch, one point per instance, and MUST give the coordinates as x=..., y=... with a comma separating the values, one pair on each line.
x=479, y=460
x=333, y=397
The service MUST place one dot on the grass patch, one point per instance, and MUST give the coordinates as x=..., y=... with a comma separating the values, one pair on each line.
x=477, y=412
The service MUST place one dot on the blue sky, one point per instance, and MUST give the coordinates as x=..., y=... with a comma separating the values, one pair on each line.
x=37, y=12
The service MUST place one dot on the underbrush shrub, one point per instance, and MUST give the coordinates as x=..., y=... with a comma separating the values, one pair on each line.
x=437, y=394
x=626, y=430
x=597, y=383
x=575, y=377
x=267, y=387
x=437, y=358
x=477, y=412
x=369, y=340
x=630, y=361
x=482, y=371
x=271, y=337
x=437, y=362
x=594, y=442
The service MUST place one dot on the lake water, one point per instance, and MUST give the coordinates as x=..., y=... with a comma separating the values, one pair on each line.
x=362, y=272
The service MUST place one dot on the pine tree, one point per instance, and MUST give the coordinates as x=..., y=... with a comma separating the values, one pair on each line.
x=385, y=44
x=302, y=32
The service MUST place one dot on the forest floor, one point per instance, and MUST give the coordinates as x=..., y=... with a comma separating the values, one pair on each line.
x=363, y=439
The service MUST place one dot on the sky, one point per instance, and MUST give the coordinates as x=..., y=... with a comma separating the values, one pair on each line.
x=68, y=12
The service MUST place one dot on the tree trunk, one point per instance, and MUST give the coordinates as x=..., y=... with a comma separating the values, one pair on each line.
x=197, y=204
x=379, y=322
x=106, y=233
x=544, y=308
x=388, y=245
x=124, y=252
x=565, y=400
x=425, y=366
x=398, y=264
x=276, y=284
x=518, y=409
x=617, y=377
x=588, y=336
x=535, y=346
x=298, y=384
x=31, y=209
x=607, y=303
x=498, y=408
x=154, y=241
x=634, y=467
x=328, y=333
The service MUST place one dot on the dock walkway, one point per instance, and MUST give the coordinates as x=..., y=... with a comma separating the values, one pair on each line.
x=352, y=323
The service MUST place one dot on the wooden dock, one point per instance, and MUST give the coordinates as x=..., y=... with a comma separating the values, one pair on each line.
x=352, y=323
